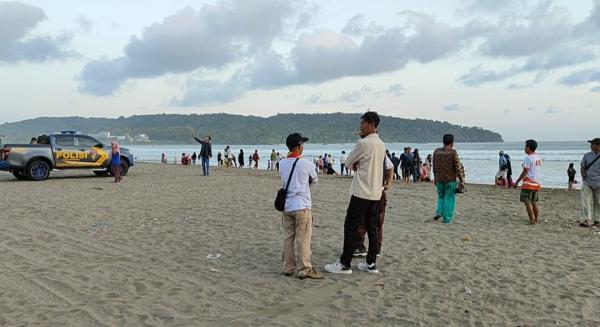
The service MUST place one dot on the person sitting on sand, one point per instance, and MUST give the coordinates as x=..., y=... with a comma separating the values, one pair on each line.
x=424, y=173
x=590, y=188
x=297, y=216
x=531, y=176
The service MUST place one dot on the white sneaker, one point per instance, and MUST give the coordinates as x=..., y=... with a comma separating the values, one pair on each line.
x=372, y=268
x=338, y=268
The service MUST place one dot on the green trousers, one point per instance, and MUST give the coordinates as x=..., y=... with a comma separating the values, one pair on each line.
x=446, y=200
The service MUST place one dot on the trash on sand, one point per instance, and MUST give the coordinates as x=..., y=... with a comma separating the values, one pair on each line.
x=467, y=238
x=468, y=291
x=545, y=220
x=214, y=270
x=214, y=256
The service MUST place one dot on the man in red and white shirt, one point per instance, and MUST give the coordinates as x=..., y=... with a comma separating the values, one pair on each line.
x=531, y=176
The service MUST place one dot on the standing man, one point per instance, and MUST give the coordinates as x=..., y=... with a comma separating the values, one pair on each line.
x=368, y=157
x=343, y=164
x=531, y=176
x=447, y=168
x=205, y=153
x=388, y=181
x=396, y=163
x=590, y=188
x=297, y=217
x=273, y=159
x=502, y=170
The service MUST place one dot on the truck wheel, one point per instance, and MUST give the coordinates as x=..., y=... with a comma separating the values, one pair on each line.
x=20, y=175
x=38, y=170
x=124, y=167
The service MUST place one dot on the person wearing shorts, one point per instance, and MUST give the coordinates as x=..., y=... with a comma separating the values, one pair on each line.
x=531, y=176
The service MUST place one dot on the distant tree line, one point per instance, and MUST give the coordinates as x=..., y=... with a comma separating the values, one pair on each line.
x=238, y=129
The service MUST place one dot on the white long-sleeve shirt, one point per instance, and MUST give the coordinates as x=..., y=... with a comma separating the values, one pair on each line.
x=369, y=156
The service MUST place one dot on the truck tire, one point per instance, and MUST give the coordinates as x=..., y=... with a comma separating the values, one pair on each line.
x=124, y=167
x=20, y=175
x=38, y=170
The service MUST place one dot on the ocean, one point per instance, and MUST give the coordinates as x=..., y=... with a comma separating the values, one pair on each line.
x=479, y=159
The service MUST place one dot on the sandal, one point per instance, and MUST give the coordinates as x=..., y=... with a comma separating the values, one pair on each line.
x=586, y=223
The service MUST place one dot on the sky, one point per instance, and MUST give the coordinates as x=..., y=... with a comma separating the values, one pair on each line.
x=523, y=68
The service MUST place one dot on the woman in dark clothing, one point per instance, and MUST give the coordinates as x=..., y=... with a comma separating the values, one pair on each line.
x=571, y=172
x=241, y=158
x=416, y=165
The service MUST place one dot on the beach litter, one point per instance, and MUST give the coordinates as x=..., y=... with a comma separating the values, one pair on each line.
x=214, y=270
x=467, y=238
x=468, y=291
x=214, y=256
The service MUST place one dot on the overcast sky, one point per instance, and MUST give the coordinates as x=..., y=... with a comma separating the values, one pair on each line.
x=527, y=69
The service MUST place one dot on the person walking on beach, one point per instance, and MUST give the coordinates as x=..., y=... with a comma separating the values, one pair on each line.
x=241, y=158
x=447, y=168
x=273, y=159
x=388, y=181
x=571, y=172
x=343, y=164
x=396, y=163
x=531, y=176
x=256, y=158
x=219, y=160
x=163, y=158
x=115, y=161
x=590, y=187
x=429, y=164
x=205, y=153
x=406, y=161
x=368, y=158
x=502, y=173
x=297, y=217
x=509, y=173
x=194, y=157
x=416, y=166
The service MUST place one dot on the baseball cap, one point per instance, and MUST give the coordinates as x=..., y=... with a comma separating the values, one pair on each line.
x=295, y=139
x=595, y=141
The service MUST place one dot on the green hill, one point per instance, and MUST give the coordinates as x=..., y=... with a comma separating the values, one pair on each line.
x=238, y=129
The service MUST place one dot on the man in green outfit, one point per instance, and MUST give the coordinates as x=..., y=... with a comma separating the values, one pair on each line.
x=447, y=168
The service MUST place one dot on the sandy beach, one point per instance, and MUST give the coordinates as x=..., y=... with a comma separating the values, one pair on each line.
x=79, y=250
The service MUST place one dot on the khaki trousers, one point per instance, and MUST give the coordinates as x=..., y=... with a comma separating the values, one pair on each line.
x=297, y=230
x=590, y=203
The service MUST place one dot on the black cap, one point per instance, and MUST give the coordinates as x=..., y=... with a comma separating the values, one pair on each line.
x=595, y=141
x=295, y=139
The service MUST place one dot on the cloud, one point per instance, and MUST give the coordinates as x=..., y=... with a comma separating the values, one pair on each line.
x=395, y=90
x=456, y=108
x=211, y=37
x=595, y=89
x=326, y=55
x=581, y=77
x=354, y=96
x=559, y=57
x=358, y=26
x=17, y=43
x=85, y=25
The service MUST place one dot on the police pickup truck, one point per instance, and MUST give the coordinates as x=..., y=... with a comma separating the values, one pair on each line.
x=66, y=150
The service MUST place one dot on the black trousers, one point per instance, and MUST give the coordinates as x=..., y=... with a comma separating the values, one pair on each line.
x=360, y=210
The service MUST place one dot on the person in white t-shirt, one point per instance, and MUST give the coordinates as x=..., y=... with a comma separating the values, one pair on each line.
x=531, y=177
x=297, y=216
x=343, y=164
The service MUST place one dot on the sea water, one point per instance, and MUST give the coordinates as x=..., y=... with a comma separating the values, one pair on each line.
x=479, y=159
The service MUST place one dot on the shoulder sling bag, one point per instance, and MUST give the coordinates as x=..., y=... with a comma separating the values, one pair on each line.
x=282, y=193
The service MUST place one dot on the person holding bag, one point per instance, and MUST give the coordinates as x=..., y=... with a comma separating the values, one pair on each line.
x=295, y=203
x=590, y=188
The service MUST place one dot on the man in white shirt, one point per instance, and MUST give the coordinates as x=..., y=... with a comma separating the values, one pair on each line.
x=367, y=157
x=343, y=164
x=297, y=217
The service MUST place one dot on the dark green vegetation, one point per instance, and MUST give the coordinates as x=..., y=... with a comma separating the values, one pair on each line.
x=237, y=129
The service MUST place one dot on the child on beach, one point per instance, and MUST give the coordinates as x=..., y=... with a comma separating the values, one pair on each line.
x=571, y=172
x=531, y=175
